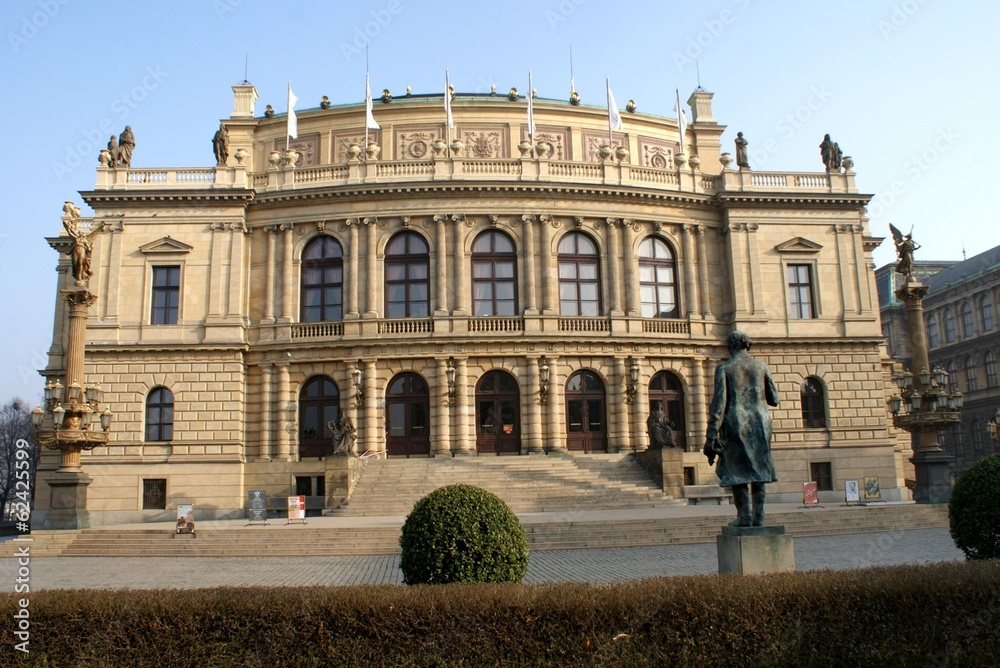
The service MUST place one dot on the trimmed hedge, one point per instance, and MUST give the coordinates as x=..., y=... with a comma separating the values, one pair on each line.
x=462, y=533
x=939, y=615
x=974, y=510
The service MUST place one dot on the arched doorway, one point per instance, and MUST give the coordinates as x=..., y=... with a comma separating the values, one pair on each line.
x=498, y=428
x=586, y=427
x=665, y=388
x=319, y=404
x=407, y=416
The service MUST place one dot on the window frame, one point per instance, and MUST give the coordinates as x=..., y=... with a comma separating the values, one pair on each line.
x=577, y=260
x=990, y=364
x=491, y=258
x=656, y=263
x=971, y=375
x=165, y=290
x=320, y=444
x=968, y=321
x=161, y=423
x=933, y=332
x=794, y=289
x=950, y=326
x=813, y=405
x=407, y=260
x=986, y=313
x=323, y=264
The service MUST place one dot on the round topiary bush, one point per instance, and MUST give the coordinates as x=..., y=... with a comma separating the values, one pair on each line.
x=461, y=533
x=974, y=510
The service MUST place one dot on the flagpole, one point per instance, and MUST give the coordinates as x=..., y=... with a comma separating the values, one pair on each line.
x=611, y=139
x=288, y=136
x=447, y=106
x=368, y=93
x=572, y=88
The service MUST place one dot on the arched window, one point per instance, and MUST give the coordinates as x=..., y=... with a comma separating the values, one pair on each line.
x=322, y=280
x=657, y=279
x=579, y=276
x=407, y=404
x=319, y=404
x=949, y=326
x=932, y=332
x=967, y=327
x=813, y=404
x=407, y=286
x=952, y=376
x=971, y=377
x=977, y=436
x=160, y=415
x=986, y=309
x=494, y=278
x=956, y=432
x=990, y=362
x=666, y=390
x=586, y=429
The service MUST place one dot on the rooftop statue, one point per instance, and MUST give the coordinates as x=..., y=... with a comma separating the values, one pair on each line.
x=830, y=151
x=126, y=143
x=739, y=429
x=905, y=246
x=741, y=151
x=220, y=144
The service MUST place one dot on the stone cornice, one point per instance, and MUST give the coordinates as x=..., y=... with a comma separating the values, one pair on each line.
x=804, y=200
x=167, y=197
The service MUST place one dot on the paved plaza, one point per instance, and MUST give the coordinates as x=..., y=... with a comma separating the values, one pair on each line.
x=838, y=552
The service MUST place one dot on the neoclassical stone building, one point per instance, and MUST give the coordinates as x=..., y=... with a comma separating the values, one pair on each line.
x=484, y=298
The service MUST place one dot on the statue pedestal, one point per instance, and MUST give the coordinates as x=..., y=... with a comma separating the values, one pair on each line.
x=342, y=471
x=933, y=474
x=68, y=501
x=749, y=550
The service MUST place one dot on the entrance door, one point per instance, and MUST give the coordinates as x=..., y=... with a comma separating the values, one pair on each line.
x=498, y=428
x=665, y=388
x=407, y=417
x=586, y=429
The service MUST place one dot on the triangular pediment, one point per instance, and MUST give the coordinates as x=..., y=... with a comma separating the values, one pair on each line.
x=165, y=245
x=798, y=245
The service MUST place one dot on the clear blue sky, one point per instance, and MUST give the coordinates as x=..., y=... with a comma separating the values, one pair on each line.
x=909, y=88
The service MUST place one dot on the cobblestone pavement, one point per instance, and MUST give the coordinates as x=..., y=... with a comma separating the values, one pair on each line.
x=593, y=565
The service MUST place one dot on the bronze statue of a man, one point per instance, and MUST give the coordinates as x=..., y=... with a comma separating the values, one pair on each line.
x=739, y=429
x=661, y=434
x=345, y=434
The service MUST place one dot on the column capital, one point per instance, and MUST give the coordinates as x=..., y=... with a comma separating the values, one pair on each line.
x=440, y=217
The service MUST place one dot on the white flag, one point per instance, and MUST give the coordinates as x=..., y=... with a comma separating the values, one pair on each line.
x=447, y=101
x=614, y=116
x=531, y=111
x=370, y=123
x=681, y=118
x=293, y=123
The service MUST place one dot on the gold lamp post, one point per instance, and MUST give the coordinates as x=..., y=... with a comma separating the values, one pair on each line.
x=72, y=420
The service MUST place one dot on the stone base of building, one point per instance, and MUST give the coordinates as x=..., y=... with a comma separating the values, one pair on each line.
x=749, y=550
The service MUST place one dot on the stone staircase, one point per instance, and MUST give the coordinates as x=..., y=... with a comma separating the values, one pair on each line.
x=534, y=484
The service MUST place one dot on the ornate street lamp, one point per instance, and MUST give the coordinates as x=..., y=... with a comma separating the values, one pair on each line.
x=450, y=373
x=993, y=426
x=632, y=386
x=543, y=385
x=359, y=391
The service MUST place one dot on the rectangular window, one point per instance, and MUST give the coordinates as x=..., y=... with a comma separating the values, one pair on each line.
x=166, y=295
x=303, y=485
x=822, y=474
x=800, y=294
x=154, y=494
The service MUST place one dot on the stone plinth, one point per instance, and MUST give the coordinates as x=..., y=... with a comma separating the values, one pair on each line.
x=68, y=501
x=342, y=473
x=748, y=550
x=933, y=473
x=666, y=465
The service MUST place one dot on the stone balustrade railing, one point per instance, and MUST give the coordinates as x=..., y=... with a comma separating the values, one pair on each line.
x=357, y=173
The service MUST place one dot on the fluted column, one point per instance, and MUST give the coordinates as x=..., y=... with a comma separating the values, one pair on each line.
x=79, y=302
x=639, y=411
x=696, y=433
x=756, y=287
x=352, y=268
x=441, y=433
x=441, y=266
x=369, y=428
x=555, y=434
x=527, y=225
x=631, y=269
x=689, y=266
x=287, y=275
x=460, y=298
x=237, y=269
x=465, y=444
x=531, y=425
x=272, y=237
x=614, y=267
x=618, y=413
x=371, y=265
x=266, y=411
x=217, y=266
x=284, y=452
x=703, y=270
x=549, y=272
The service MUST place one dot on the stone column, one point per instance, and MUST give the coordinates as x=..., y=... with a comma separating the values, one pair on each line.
x=690, y=265
x=528, y=227
x=287, y=274
x=352, y=268
x=614, y=267
x=370, y=424
x=441, y=266
x=531, y=423
x=266, y=378
x=755, y=290
x=272, y=235
x=371, y=266
x=631, y=269
x=705, y=294
x=697, y=427
x=640, y=409
x=618, y=410
x=284, y=451
x=441, y=435
x=460, y=298
x=237, y=269
x=463, y=416
x=555, y=434
x=735, y=267
x=113, y=276
x=217, y=265
x=550, y=279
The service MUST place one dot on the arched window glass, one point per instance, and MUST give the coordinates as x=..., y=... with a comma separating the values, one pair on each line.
x=160, y=415
x=991, y=369
x=322, y=280
x=494, y=279
x=407, y=285
x=657, y=279
x=319, y=404
x=949, y=326
x=977, y=436
x=932, y=332
x=967, y=327
x=579, y=276
x=952, y=376
x=971, y=377
x=986, y=309
x=813, y=404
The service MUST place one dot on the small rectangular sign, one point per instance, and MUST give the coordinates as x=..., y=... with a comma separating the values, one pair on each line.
x=257, y=509
x=296, y=508
x=852, y=491
x=810, y=493
x=185, y=518
x=872, y=490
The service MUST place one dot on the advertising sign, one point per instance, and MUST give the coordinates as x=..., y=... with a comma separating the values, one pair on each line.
x=297, y=509
x=257, y=509
x=851, y=491
x=810, y=493
x=872, y=490
x=185, y=518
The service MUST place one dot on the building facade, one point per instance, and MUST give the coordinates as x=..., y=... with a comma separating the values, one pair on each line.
x=486, y=296
x=963, y=338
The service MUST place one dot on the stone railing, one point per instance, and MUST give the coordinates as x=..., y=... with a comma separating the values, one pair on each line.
x=438, y=169
x=496, y=324
x=665, y=326
x=406, y=326
x=581, y=324
x=317, y=330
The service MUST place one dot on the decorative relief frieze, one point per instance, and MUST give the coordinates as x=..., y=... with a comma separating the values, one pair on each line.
x=556, y=136
x=414, y=142
x=593, y=141
x=657, y=153
x=342, y=140
x=307, y=147
x=484, y=142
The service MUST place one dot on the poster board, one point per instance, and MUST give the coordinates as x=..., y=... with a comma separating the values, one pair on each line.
x=185, y=518
x=810, y=493
x=852, y=491
x=296, y=509
x=257, y=507
x=872, y=490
